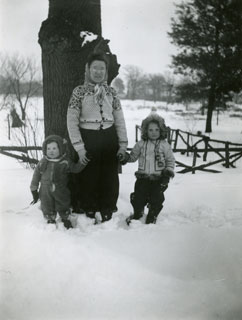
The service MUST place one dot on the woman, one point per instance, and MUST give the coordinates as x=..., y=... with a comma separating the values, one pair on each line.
x=97, y=130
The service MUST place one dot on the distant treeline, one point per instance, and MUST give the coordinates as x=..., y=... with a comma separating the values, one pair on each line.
x=24, y=87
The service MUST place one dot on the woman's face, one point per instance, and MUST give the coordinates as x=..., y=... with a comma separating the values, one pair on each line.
x=97, y=71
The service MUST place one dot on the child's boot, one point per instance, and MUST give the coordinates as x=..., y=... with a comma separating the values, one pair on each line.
x=65, y=218
x=50, y=221
x=138, y=211
x=50, y=217
x=154, y=210
x=152, y=215
x=135, y=216
x=150, y=218
x=67, y=223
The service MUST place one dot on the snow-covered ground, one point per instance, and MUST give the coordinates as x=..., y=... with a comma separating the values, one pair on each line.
x=187, y=266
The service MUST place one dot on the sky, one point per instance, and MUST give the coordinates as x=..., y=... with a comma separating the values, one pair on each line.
x=137, y=30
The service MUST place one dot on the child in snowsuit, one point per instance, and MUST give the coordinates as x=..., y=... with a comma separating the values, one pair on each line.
x=52, y=173
x=155, y=168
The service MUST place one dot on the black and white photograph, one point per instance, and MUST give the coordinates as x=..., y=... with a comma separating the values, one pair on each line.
x=121, y=160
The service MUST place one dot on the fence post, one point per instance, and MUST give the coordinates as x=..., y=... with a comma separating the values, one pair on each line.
x=168, y=134
x=176, y=138
x=226, y=154
x=136, y=132
x=194, y=160
x=172, y=133
x=188, y=140
x=206, y=139
x=9, y=132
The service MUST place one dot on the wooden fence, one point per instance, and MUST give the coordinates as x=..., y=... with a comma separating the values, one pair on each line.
x=181, y=141
x=196, y=144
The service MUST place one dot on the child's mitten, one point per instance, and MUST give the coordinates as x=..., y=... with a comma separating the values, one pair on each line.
x=35, y=195
x=169, y=173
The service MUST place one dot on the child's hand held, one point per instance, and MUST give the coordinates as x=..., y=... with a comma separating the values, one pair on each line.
x=123, y=157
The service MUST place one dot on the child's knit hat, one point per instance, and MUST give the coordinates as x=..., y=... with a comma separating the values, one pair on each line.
x=60, y=142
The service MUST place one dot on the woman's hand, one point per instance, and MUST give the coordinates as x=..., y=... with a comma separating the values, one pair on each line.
x=121, y=154
x=123, y=158
x=82, y=156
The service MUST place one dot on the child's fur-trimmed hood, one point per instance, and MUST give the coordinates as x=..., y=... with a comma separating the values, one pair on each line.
x=155, y=118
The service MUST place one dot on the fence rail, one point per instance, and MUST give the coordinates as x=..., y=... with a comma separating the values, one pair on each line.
x=181, y=141
x=186, y=142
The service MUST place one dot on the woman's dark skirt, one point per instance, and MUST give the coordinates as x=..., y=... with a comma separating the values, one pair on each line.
x=98, y=184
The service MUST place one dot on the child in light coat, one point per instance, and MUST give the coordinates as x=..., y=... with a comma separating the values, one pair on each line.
x=156, y=164
x=52, y=173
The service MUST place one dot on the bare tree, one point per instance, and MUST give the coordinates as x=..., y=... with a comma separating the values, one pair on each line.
x=20, y=76
x=156, y=83
x=169, y=86
x=135, y=78
x=119, y=86
x=29, y=137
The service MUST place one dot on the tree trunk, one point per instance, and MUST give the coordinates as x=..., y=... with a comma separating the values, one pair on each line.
x=211, y=102
x=211, y=97
x=64, y=55
x=23, y=114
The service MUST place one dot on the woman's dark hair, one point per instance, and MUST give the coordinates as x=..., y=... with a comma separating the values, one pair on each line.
x=153, y=118
x=97, y=57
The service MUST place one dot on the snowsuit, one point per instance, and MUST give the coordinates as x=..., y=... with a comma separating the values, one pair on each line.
x=52, y=175
x=96, y=123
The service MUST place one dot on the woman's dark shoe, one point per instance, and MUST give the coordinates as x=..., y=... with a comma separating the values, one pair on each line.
x=138, y=215
x=91, y=214
x=77, y=209
x=106, y=215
